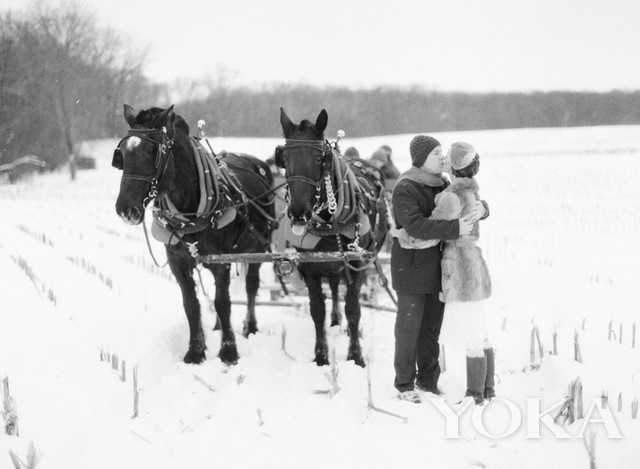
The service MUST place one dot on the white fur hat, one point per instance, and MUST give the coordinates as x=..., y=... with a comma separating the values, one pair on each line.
x=461, y=155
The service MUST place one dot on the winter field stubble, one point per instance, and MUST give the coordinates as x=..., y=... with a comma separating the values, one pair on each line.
x=562, y=247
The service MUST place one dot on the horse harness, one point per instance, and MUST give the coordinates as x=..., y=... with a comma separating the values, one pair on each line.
x=346, y=206
x=221, y=195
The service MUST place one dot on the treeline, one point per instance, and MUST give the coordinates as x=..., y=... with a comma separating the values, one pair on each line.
x=250, y=112
x=63, y=79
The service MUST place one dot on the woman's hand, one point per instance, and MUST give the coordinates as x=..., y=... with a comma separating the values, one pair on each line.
x=475, y=214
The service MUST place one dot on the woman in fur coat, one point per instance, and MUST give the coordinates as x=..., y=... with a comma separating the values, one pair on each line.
x=466, y=284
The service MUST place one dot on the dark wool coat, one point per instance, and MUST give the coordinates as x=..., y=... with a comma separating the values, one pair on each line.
x=418, y=271
x=465, y=276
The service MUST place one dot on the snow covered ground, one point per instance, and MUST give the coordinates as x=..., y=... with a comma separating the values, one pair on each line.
x=562, y=247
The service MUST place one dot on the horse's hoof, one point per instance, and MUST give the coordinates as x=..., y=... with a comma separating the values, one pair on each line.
x=322, y=353
x=228, y=353
x=335, y=321
x=321, y=359
x=217, y=326
x=355, y=354
x=195, y=357
x=249, y=328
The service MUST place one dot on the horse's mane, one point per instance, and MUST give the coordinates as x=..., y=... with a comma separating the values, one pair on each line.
x=146, y=118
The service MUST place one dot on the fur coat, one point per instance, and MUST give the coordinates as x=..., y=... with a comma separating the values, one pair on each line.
x=465, y=276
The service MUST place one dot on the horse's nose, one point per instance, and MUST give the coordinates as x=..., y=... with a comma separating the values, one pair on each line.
x=134, y=214
x=299, y=215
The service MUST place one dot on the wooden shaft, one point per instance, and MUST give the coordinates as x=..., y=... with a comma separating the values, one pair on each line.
x=296, y=257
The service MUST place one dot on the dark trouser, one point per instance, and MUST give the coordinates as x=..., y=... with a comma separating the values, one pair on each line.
x=417, y=331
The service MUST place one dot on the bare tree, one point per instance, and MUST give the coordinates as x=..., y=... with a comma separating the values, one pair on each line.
x=63, y=79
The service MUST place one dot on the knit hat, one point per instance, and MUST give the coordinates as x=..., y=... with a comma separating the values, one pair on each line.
x=420, y=147
x=461, y=155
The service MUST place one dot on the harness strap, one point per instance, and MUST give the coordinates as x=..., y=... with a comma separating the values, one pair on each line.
x=354, y=190
x=236, y=185
x=171, y=208
x=203, y=182
x=304, y=179
x=210, y=179
x=138, y=177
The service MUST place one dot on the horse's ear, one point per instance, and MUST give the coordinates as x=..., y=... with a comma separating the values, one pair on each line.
x=279, y=156
x=321, y=121
x=287, y=126
x=166, y=118
x=129, y=115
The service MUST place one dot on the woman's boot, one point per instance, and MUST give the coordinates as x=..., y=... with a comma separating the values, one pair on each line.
x=476, y=378
x=490, y=385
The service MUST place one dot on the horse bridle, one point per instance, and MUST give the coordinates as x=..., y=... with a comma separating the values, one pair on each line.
x=322, y=147
x=164, y=152
x=323, y=159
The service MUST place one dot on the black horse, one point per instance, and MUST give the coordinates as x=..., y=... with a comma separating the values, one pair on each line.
x=342, y=204
x=158, y=159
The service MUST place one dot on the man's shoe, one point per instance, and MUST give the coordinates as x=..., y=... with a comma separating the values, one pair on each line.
x=410, y=396
x=433, y=390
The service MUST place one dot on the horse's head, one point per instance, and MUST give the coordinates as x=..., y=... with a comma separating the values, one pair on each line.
x=145, y=158
x=305, y=157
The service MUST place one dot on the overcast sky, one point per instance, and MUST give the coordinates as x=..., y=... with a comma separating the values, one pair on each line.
x=448, y=44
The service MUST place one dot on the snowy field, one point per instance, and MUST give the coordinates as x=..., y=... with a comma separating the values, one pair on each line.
x=562, y=247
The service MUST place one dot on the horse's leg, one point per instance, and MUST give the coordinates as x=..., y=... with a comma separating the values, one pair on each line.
x=228, y=350
x=182, y=269
x=316, y=303
x=334, y=284
x=352, y=312
x=252, y=282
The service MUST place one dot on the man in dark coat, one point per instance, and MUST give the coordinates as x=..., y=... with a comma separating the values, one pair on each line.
x=416, y=273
